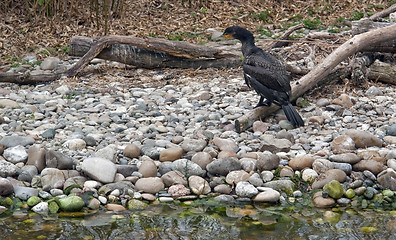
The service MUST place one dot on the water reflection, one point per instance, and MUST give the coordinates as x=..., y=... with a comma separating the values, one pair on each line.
x=205, y=221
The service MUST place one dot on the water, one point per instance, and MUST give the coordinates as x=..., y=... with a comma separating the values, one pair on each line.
x=204, y=220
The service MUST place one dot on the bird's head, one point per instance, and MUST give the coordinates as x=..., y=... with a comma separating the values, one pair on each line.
x=238, y=33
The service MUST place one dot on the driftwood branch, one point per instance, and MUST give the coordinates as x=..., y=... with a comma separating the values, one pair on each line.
x=383, y=13
x=352, y=46
x=285, y=36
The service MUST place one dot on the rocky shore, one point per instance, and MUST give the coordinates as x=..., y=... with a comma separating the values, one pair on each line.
x=67, y=148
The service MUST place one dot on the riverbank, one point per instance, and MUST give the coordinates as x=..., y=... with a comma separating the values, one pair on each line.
x=95, y=146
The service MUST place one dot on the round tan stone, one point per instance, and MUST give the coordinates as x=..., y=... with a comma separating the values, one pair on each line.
x=115, y=207
x=342, y=144
x=171, y=154
x=148, y=168
x=227, y=154
x=202, y=159
x=321, y=202
x=150, y=185
x=301, y=162
x=131, y=151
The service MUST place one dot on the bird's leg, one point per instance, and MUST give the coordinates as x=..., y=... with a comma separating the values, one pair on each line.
x=263, y=103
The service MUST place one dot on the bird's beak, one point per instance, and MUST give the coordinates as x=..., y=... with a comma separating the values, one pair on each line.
x=227, y=35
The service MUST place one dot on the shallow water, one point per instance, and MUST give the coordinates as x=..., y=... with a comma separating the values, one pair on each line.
x=204, y=220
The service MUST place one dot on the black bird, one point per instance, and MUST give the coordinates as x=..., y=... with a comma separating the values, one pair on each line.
x=265, y=74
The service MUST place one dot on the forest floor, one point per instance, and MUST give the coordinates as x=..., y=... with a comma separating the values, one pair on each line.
x=22, y=32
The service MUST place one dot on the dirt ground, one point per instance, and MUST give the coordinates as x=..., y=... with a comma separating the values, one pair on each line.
x=184, y=20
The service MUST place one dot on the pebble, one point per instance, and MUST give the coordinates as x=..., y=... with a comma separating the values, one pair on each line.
x=75, y=144
x=267, y=195
x=99, y=169
x=178, y=190
x=108, y=142
x=131, y=151
x=342, y=144
x=328, y=176
x=321, y=202
x=15, y=154
x=363, y=139
x=371, y=165
x=237, y=176
x=148, y=168
x=223, y=166
x=301, y=162
x=225, y=144
x=171, y=154
x=267, y=176
x=224, y=198
x=309, y=175
x=41, y=208
x=36, y=157
x=52, y=178
x=48, y=134
x=267, y=162
x=24, y=193
x=199, y=185
x=188, y=168
x=281, y=185
x=388, y=180
x=245, y=189
x=256, y=180
x=202, y=159
x=49, y=63
x=150, y=185
x=390, y=130
x=193, y=145
x=55, y=159
x=350, y=158
x=222, y=189
x=6, y=187
x=274, y=145
x=322, y=165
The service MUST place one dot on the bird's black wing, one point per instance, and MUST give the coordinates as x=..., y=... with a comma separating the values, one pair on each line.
x=267, y=70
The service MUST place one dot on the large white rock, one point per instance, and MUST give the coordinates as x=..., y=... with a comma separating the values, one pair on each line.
x=16, y=154
x=41, y=208
x=99, y=169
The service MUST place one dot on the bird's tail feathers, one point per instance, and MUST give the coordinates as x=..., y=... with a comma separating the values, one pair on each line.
x=292, y=115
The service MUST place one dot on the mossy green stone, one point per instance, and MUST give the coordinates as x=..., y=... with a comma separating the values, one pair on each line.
x=135, y=204
x=332, y=217
x=53, y=207
x=334, y=189
x=388, y=193
x=350, y=193
x=71, y=203
x=364, y=203
x=7, y=202
x=33, y=201
x=368, y=229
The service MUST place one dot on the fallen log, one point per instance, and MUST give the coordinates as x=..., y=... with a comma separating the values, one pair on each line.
x=145, y=54
x=26, y=78
x=381, y=71
x=350, y=47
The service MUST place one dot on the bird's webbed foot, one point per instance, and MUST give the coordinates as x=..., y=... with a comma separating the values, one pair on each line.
x=263, y=103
